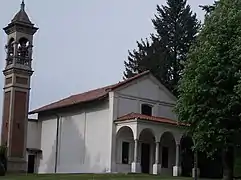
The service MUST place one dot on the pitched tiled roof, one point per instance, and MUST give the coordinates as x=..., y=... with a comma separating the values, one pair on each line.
x=86, y=96
x=148, y=118
x=22, y=16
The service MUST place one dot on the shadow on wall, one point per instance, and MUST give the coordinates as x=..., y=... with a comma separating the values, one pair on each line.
x=50, y=163
x=73, y=155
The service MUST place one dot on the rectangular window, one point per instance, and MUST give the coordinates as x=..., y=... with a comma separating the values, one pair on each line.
x=146, y=109
x=165, y=157
x=125, y=152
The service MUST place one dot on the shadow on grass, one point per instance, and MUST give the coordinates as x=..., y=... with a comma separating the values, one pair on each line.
x=91, y=177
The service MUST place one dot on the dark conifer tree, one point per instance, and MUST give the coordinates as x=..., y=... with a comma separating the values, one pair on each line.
x=176, y=28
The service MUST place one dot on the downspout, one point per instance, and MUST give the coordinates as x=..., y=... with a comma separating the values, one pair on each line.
x=84, y=139
x=57, y=144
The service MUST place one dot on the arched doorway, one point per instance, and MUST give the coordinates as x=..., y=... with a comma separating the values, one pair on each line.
x=167, y=152
x=147, y=141
x=124, y=149
x=187, y=156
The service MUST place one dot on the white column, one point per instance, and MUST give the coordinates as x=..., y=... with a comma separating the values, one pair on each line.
x=177, y=168
x=157, y=152
x=157, y=166
x=136, y=151
x=177, y=154
x=135, y=165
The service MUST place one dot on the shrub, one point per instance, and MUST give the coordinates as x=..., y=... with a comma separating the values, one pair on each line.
x=3, y=160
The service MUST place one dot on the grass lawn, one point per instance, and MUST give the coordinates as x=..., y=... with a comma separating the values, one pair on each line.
x=89, y=177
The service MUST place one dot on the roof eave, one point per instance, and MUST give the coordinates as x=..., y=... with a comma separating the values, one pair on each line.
x=37, y=111
x=147, y=120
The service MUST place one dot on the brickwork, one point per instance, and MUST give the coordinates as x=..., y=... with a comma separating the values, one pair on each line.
x=8, y=81
x=21, y=80
x=6, y=114
x=18, y=126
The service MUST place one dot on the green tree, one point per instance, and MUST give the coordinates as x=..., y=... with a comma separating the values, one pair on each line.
x=176, y=28
x=209, y=97
x=209, y=8
x=148, y=56
x=3, y=160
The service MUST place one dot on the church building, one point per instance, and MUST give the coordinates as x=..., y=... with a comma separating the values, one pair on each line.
x=126, y=127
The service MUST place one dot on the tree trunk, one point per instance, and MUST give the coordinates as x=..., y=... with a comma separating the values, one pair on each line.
x=228, y=163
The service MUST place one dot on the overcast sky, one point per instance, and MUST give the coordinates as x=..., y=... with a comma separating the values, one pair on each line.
x=81, y=44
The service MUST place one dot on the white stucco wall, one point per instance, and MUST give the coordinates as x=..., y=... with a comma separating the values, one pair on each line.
x=87, y=138
x=146, y=90
x=34, y=134
x=48, y=145
x=84, y=142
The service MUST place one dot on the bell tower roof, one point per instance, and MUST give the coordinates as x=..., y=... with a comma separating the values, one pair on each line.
x=22, y=16
x=22, y=20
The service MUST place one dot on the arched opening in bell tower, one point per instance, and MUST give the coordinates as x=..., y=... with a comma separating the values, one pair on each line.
x=10, y=51
x=23, y=51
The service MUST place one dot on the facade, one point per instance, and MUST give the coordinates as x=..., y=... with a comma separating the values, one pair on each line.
x=125, y=127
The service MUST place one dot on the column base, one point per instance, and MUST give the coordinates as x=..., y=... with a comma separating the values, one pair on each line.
x=135, y=167
x=177, y=171
x=193, y=172
x=157, y=168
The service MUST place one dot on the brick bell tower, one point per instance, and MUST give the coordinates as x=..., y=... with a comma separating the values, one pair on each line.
x=17, y=72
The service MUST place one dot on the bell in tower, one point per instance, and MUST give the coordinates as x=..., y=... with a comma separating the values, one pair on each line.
x=17, y=72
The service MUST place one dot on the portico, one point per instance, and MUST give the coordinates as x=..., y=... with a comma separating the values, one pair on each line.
x=146, y=144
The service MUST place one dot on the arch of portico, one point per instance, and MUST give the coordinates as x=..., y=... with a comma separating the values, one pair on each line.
x=167, y=152
x=156, y=140
x=125, y=135
x=146, y=150
x=141, y=147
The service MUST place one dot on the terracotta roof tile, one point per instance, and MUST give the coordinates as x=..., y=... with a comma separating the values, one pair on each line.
x=148, y=118
x=86, y=96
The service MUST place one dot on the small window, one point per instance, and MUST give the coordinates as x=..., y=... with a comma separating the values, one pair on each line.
x=125, y=152
x=146, y=109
